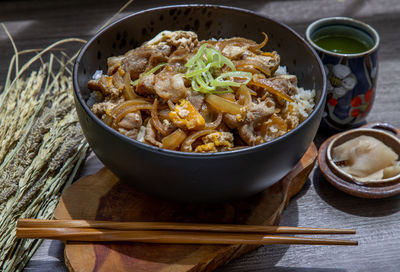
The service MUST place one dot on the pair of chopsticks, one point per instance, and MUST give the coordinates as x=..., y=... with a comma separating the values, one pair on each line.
x=173, y=233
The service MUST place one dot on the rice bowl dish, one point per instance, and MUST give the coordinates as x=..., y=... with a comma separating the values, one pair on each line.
x=181, y=93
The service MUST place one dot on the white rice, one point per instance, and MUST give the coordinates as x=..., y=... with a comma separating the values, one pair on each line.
x=97, y=74
x=281, y=71
x=304, y=102
x=304, y=99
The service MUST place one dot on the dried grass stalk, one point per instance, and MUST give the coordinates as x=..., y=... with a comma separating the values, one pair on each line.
x=42, y=146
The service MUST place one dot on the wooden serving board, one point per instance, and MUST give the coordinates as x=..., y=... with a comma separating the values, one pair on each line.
x=103, y=197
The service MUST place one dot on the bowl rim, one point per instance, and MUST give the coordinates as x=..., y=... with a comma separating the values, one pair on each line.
x=180, y=154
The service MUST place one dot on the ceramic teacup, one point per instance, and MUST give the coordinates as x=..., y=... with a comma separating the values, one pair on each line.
x=348, y=49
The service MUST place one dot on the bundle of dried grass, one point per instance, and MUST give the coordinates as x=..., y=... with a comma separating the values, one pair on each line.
x=42, y=145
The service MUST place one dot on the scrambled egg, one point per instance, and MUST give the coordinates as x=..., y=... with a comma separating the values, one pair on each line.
x=222, y=140
x=186, y=116
x=210, y=147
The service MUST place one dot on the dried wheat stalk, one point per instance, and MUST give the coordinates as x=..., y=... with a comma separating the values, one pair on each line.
x=42, y=146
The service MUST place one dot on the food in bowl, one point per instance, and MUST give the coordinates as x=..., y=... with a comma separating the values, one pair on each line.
x=194, y=176
x=179, y=93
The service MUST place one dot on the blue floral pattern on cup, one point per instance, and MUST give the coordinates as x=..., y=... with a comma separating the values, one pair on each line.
x=350, y=85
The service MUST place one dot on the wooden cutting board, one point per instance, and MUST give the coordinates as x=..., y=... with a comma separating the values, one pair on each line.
x=103, y=197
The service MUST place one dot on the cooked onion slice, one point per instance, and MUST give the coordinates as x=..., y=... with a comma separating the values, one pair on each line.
x=228, y=96
x=108, y=119
x=156, y=121
x=128, y=91
x=173, y=140
x=163, y=113
x=268, y=54
x=187, y=144
x=223, y=105
x=215, y=123
x=245, y=96
x=171, y=105
x=248, y=68
x=261, y=45
x=252, y=63
x=122, y=113
x=252, y=92
x=126, y=104
x=265, y=84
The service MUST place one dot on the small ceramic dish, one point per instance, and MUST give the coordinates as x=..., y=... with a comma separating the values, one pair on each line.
x=384, y=132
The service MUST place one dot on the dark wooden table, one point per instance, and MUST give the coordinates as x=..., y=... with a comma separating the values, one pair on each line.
x=38, y=23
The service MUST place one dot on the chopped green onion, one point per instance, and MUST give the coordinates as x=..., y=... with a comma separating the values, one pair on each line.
x=219, y=81
x=198, y=71
x=203, y=83
x=197, y=56
x=210, y=56
x=202, y=65
x=209, y=77
x=196, y=86
x=134, y=83
x=228, y=63
x=155, y=68
x=226, y=89
x=151, y=71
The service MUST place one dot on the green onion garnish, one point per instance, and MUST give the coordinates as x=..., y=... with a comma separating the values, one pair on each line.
x=201, y=67
x=219, y=81
x=151, y=71
x=197, y=56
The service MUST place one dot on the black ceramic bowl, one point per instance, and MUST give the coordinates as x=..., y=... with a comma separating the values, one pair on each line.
x=191, y=176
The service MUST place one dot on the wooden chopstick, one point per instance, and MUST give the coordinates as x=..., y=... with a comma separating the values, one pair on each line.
x=176, y=233
x=170, y=237
x=37, y=223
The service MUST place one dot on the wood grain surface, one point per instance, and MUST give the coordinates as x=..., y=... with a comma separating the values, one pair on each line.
x=37, y=23
x=103, y=196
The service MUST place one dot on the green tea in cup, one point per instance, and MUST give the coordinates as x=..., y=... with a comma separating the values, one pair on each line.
x=348, y=49
x=342, y=39
x=341, y=44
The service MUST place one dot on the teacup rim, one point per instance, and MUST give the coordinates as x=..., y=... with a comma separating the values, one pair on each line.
x=350, y=21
